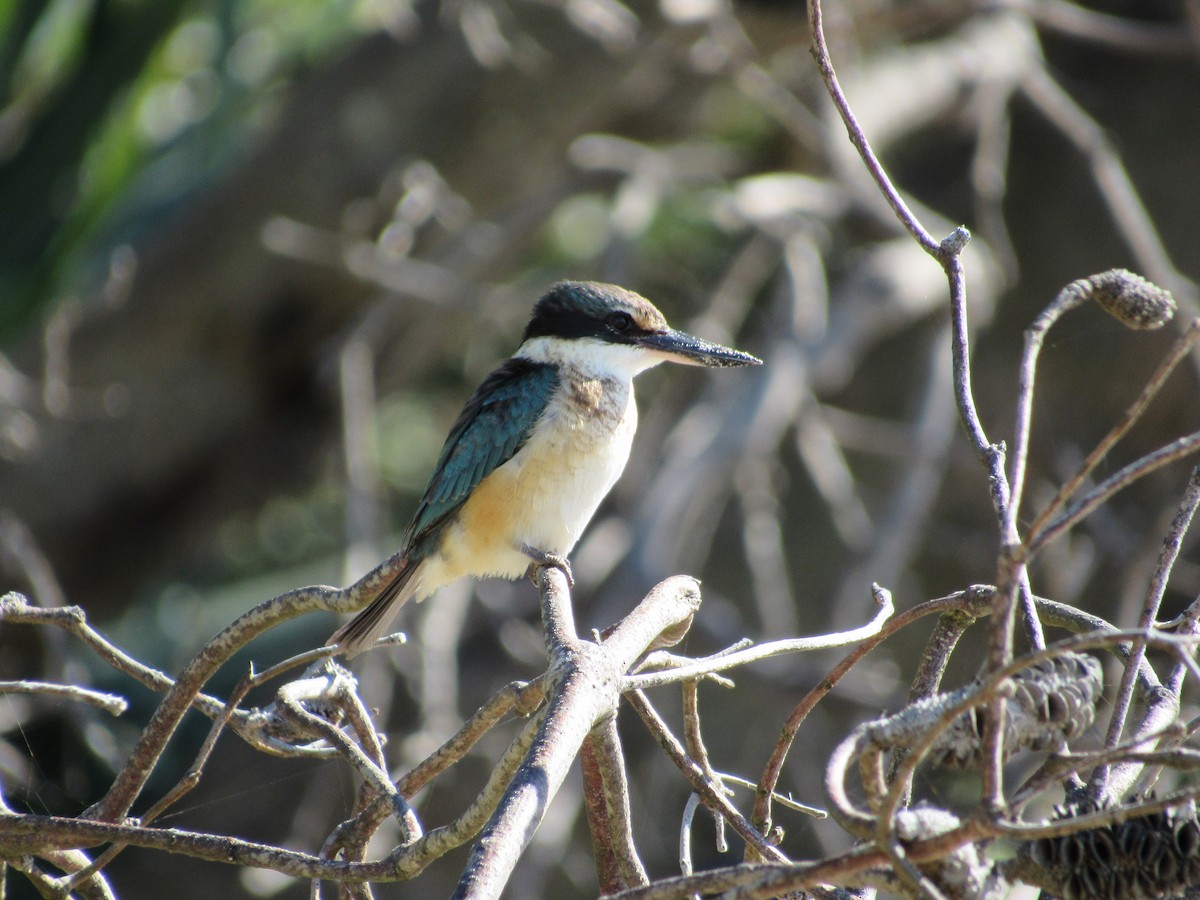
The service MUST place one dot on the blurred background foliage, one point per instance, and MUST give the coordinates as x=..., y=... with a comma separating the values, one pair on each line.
x=256, y=254
x=116, y=112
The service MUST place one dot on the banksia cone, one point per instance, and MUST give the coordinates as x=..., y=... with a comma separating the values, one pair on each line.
x=1145, y=858
x=1053, y=701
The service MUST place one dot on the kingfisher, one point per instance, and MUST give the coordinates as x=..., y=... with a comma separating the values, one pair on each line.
x=537, y=447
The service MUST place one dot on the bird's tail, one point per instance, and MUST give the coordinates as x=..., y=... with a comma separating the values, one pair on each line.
x=372, y=622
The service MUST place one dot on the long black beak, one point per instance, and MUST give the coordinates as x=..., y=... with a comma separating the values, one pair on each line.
x=692, y=351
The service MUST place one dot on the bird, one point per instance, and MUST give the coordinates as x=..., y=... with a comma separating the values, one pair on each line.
x=537, y=447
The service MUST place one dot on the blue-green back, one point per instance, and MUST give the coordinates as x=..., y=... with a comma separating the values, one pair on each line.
x=492, y=427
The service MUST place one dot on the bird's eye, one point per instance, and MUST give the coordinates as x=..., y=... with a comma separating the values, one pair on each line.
x=620, y=321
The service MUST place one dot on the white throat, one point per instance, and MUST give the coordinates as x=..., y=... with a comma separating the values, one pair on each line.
x=591, y=356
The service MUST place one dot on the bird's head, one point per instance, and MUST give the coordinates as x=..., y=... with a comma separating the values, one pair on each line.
x=616, y=328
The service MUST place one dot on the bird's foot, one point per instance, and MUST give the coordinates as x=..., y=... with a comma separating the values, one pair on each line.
x=543, y=558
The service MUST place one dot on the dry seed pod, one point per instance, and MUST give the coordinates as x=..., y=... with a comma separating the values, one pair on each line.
x=1053, y=701
x=1131, y=299
x=1145, y=858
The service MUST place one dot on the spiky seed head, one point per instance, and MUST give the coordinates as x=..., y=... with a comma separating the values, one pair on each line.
x=1131, y=299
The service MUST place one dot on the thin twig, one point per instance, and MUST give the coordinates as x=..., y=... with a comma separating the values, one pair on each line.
x=971, y=603
x=685, y=833
x=951, y=626
x=519, y=696
x=141, y=761
x=694, y=742
x=1012, y=577
x=784, y=800
x=185, y=785
x=1178, y=351
x=722, y=661
x=859, y=140
x=1063, y=763
x=712, y=795
x=603, y=763
x=1101, y=493
x=16, y=608
x=1188, y=622
x=1154, y=595
x=436, y=842
x=918, y=733
x=110, y=703
x=1072, y=296
x=368, y=764
x=861, y=866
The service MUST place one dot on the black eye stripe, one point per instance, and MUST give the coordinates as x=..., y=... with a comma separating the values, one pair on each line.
x=583, y=310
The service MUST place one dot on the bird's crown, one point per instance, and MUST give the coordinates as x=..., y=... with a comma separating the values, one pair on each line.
x=589, y=309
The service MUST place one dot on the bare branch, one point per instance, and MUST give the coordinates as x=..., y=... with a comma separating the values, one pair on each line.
x=722, y=661
x=180, y=696
x=1154, y=595
x=969, y=604
x=1180, y=350
x=606, y=793
x=854, y=131
x=1101, y=493
x=110, y=703
x=711, y=794
x=587, y=684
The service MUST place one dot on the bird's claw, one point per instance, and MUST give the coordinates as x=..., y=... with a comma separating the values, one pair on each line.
x=543, y=558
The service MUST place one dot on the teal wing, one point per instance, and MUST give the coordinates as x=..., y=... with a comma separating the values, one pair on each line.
x=492, y=427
